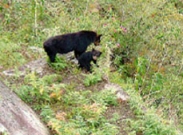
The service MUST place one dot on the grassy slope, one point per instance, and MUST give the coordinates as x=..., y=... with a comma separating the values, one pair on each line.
x=64, y=107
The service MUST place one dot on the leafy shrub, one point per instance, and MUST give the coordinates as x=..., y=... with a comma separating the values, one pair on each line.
x=82, y=113
x=47, y=113
x=59, y=64
x=149, y=125
x=91, y=79
x=106, y=97
x=40, y=90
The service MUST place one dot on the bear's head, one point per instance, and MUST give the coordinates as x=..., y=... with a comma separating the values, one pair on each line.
x=96, y=54
x=97, y=40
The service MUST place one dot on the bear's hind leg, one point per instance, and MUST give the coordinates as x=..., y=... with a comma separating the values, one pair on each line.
x=50, y=52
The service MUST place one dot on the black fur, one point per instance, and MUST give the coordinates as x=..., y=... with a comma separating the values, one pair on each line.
x=77, y=42
x=86, y=58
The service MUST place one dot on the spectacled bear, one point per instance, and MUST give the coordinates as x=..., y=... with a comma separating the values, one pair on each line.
x=85, y=59
x=77, y=42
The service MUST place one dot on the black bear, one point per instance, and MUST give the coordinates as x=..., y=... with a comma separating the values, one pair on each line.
x=85, y=59
x=77, y=42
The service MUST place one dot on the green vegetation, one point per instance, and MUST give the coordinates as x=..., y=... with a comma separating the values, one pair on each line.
x=142, y=43
x=91, y=79
x=153, y=57
x=65, y=109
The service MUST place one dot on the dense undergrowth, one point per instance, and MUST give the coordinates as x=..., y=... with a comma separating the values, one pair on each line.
x=143, y=41
x=153, y=57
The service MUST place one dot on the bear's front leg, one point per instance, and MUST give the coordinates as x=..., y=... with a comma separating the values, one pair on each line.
x=95, y=62
x=77, y=54
x=88, y=68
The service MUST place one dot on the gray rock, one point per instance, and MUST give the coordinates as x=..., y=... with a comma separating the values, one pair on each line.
x=16, y=118
x=36, y=66
x=36, y=49
x=120, y=93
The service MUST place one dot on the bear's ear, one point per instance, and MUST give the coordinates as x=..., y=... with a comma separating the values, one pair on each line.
x=99, y=36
